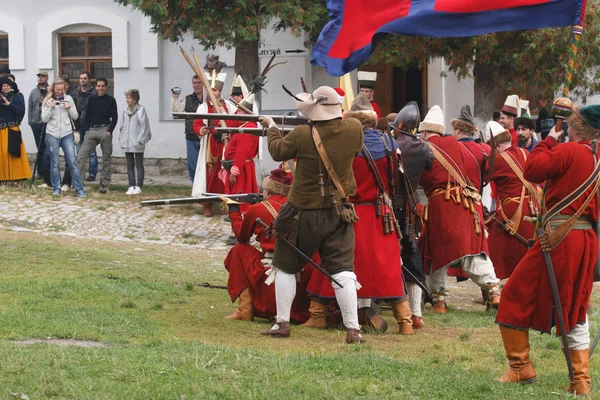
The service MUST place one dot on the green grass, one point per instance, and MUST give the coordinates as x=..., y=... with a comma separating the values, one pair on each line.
x=167, y=339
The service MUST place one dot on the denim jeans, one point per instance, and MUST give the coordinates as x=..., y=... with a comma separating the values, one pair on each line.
x=193, y=148
x=93, y=170
x=68, y=146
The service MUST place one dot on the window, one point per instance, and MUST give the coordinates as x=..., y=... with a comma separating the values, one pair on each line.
x=3, y=52
x=91, y=52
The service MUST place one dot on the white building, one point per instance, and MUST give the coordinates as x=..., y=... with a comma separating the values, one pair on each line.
x=67, y=37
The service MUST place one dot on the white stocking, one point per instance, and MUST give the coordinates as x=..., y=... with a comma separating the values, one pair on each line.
x=415, y=294
x=346, y=298
x=285, y=291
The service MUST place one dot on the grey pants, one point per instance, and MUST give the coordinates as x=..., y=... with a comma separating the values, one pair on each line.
x=94, y=137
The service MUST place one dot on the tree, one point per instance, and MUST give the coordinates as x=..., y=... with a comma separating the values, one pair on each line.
x=512, y=60
x=230, y=23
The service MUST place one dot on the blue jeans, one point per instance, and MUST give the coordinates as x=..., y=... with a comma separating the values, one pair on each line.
x=193, y=148
x=93, y=170
x=68, y=146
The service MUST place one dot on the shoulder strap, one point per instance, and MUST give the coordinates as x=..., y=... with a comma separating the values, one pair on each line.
x=269, y=208
x=325, y=158
x=519, y=172
x=374, y=170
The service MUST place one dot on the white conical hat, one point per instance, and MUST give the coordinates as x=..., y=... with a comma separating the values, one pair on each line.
x=434, y=121
x=500, y=134
x=511, y=105
x=238, y=83
x=216, y=80
x=248, y=102
x=524, y=108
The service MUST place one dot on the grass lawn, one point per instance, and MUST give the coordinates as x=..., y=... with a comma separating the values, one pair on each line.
x=166, y=339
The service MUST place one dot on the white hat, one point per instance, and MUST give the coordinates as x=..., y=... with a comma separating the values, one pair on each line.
x=511, y=106
x=216, y=81
x=524, y=108
x=321, y=105
x=434, y=121
x=500, y=134
x=239, y=86
x=366, y=79
x=248, y=102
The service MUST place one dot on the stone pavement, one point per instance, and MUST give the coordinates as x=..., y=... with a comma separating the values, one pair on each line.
x=104, y=219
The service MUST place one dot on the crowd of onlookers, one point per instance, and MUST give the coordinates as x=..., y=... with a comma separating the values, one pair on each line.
x=76, y=120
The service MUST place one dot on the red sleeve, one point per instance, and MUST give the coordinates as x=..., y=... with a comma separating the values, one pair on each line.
x=198, y=123
x=376, y=109
x=244, y=143
x=243, y=228
x=545, y=161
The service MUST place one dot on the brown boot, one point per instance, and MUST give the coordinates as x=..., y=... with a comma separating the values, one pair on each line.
x=354, y=336
x=318, y=316
x=367, y=316
x=493, y=297
x=417, y=322
x=208, y=209
x=278, y=329
x=516, y=344
x=581, y=363
x=245, y=311
x=403, y=315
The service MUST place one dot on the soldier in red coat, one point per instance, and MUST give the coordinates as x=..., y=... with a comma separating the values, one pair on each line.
x=239, y=172
x=247, y=265
x=453, y=234
x=515, y=199
x=211, y=144
x=527, y=297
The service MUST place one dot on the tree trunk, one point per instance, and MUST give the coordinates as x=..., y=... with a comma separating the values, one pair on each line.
x=246, y=60
x=485, y=94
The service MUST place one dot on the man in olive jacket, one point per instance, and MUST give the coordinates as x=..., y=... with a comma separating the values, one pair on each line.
x=310, y=213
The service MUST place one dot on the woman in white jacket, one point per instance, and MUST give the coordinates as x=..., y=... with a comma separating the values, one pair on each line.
x=58, y=111
x=135, y=133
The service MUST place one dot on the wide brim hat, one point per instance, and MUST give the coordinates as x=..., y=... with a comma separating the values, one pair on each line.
x=465, y=121
x=434, y=121
x=321, y=105
x=586, y=121
x=279, y=182
x=363, y=111
x=498, y=132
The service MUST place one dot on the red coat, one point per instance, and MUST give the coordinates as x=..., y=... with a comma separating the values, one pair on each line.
x=449, y=232
x=242, y=149
x=376, y=108
x=377, y=262
x=506, y=251
x=527, y=297
x=246, y=270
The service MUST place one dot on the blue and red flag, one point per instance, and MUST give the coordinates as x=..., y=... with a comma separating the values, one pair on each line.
x=348, y=39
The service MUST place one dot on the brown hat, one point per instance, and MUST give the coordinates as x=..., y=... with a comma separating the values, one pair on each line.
x=384, y=122
x=42, y=73
x=465, y=121
x=363, y=111
x=278, y=182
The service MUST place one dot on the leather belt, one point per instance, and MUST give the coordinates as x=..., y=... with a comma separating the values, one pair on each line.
x=581, y=223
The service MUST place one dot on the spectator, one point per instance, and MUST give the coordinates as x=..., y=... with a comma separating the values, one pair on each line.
x=192, y=141
x=34, y=117
x=14, y=165
x=135, y=133
x=83, y=93
x=58, y=111
x=544, y=122
x=98, y=125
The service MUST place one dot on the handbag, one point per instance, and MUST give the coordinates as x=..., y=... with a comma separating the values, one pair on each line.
x=14, y=141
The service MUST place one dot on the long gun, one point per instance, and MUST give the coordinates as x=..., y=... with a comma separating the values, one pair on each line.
x=279, y=119
x=241, y=198
x=248, y=131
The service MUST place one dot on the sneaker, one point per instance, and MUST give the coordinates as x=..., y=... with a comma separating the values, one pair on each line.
x=137, y=190
x=91, y=178
x=56, y=193
x=103, y=188
x=65, y=188
x=130, y=190
x=278, y=329
x=81, y=193
x=44, y=186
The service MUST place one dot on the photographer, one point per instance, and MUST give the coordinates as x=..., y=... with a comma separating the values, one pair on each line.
x=57, y=111
x=14, y=165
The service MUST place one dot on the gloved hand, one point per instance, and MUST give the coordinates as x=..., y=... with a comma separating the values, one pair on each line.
x=267, y=122
x=231, y=204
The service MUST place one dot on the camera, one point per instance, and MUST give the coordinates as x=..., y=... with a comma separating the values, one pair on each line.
x=176, y=90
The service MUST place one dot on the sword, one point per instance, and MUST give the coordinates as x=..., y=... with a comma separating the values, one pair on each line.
x=279, y=119
x=297, y=251
x=557, y=306
x=526, y=242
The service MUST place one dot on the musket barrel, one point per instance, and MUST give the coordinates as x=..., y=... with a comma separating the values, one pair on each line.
x=249, y=131
x=279, y=119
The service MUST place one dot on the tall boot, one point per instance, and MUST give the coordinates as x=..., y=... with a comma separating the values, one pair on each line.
x=245, y=311
x=581, y=363
x=318, y=315
x=516, y=344
x=403, y=315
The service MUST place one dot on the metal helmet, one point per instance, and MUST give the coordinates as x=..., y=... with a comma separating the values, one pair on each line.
x=408, y=119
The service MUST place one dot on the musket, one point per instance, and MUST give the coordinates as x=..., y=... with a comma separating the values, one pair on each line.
x=241, y=198
x=417, y=282
x=296, y=250
x=279, y=119
x=526, y=242
x=249, y=131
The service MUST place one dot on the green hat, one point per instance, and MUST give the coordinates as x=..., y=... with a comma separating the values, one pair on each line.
x=591, y=115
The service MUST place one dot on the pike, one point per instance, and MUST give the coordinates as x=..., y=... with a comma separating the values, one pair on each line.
x=270, y=230
x=279, y=119
x=249, y=131
x=241, y=198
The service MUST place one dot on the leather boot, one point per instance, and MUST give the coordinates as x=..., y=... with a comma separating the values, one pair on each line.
x=208, y=209
x=278, y=329
x=245, y=311
x=516, y=344
x=417, y=322
x=318, y=316
x=494, y=297
x=439, y=303
x=403, y=315
x=581, y=363
x=367, y=316
x=354, y=336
